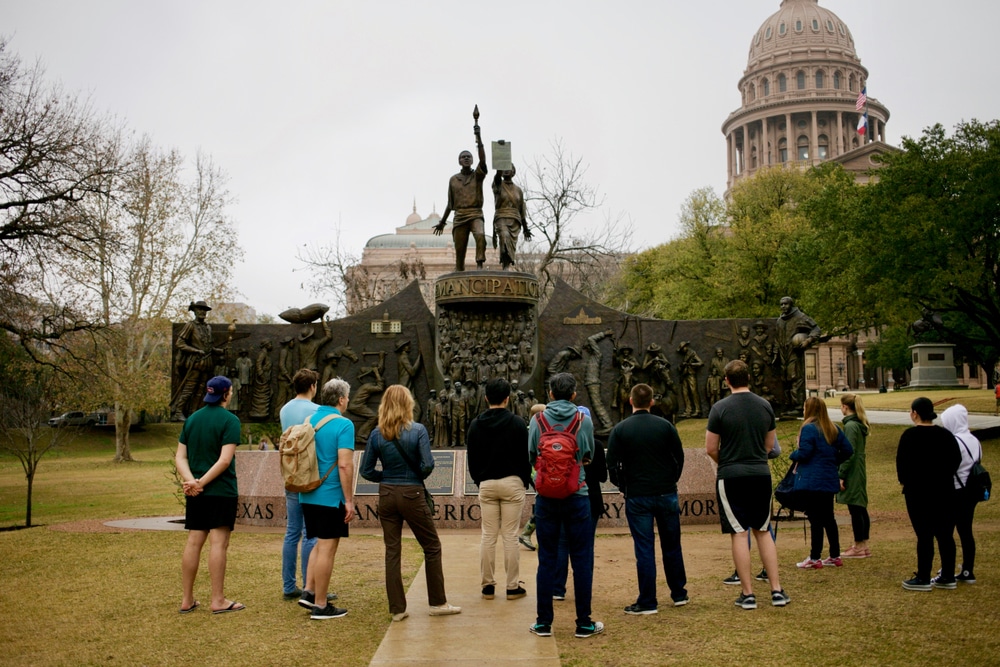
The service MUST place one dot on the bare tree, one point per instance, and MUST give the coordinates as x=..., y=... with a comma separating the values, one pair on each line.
x=55, y=152
x=556, y=194
x=338, y=274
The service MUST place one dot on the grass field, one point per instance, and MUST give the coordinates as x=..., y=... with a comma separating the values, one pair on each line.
x=110, y=598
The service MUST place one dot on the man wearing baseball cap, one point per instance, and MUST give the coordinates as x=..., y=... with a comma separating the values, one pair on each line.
x=207, y=467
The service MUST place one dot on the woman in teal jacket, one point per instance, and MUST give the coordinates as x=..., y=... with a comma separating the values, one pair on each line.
x=854, y=475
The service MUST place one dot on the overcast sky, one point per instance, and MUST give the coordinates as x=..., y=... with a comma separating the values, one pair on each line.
x=327, y=111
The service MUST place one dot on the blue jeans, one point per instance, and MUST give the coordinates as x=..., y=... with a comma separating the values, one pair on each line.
x=551, y=516
x=562, y=567
x=642, y=512
x=295, y=530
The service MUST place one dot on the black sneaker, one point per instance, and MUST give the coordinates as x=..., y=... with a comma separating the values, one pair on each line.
x=584, y=631
x=489, y=592
x=636, y=610
x=917, y=584
x=966, y=577
x=329, y=611
x=680, y=602
x=294, y=595
x=308, y=599
x=941, y=582
x=762, y=576
x=541, y=630
x=516, y=593
x=732, y=580
x=780, y=598
x=746, y=601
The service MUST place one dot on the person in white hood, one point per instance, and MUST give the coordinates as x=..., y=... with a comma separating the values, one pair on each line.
x=956, y=420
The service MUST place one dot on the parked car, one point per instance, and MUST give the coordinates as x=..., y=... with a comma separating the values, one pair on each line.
x=76, y=418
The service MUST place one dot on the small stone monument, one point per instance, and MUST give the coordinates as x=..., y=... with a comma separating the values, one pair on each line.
x=933, y=366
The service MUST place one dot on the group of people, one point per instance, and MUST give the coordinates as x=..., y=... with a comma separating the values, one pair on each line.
x=644, y=459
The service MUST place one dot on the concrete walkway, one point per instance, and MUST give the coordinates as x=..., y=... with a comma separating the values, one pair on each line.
x=977, y=421
x=487, y=632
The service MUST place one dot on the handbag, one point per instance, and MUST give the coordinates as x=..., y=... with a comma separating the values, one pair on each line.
x=979, y=485
x=786, y=494
x=428, y=498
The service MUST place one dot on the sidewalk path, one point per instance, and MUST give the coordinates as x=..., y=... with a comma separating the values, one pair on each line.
x=977, y=421
x=487, y=632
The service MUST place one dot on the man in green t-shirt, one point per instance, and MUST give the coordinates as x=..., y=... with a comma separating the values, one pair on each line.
x=207, y=467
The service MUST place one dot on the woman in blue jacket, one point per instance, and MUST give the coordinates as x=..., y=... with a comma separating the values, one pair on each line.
x=822, y=447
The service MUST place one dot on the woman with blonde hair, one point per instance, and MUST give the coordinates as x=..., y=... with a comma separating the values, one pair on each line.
x=821, y=448
x=404, y=449
x=854, y=475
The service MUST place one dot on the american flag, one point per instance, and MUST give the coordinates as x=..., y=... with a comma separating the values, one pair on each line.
x=862, y=99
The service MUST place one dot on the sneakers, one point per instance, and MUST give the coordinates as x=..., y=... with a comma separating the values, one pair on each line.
x=917, y=584
x=941, y=582
x=541, y=630
x=966, y=577
x=732, y=580
x=680, y=602
x=779, y=598
x=762, y=576
x=584, y=631
x=308, y=600
x=329, y=611
x=489, y=592
x=525, y=541
x=293, y=595
x=515, y=593
x=559, y=598
x=636, y=610
x=855, y=552
x=445, y=610
x=810, y=564
x=833, y=561
x=746, y=601
x=401, y=616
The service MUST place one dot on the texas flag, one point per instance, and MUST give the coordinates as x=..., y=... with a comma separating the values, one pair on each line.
x=863, y=124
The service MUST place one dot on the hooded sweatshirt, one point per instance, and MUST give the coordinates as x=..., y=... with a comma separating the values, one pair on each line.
x=956, y=420
x=498, y=447
x=562, y=412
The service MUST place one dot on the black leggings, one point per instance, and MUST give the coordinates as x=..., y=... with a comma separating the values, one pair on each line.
x=819, y=511
x=965, y=509
x=860, y=523
x=933, y=519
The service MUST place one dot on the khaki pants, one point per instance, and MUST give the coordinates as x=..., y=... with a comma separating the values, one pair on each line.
x=501, y=502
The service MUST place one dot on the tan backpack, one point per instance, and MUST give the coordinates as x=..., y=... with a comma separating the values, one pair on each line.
x=299, y=465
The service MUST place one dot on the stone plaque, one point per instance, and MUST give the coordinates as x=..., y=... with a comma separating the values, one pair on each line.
x=442, y=480
x=470, y=487
x=502, y=160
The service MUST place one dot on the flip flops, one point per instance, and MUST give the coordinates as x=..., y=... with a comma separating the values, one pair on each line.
x=235, y=606
x=189, y=609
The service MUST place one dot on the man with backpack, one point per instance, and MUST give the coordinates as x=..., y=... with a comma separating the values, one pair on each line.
x=560, y=441
x=292, y=413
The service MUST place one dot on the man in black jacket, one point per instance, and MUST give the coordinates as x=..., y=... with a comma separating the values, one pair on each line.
x=498, y=464
x=645, y=460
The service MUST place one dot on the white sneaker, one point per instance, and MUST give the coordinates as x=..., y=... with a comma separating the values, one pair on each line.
x=445, y=610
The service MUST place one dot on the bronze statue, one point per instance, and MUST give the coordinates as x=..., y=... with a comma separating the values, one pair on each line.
x=244, y=373
x=358, y=403
x=442, y=421
x=627, y=364
x=510, y=216
x=592, y=381
x=286, y=370
x=195, y=361
x=794, y=332
x=465, y=198
x=459, y=412
x=260, y=402
x=309, y=345
x=690, y=364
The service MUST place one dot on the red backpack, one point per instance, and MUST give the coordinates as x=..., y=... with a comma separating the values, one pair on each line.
x=557, y=469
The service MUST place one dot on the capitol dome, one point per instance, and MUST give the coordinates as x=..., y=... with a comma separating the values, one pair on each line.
x=799, y=93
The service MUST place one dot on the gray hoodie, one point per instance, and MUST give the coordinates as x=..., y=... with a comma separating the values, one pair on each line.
x=956, y=420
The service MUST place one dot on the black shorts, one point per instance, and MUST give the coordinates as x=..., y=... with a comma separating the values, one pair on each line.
x=324, y=522
x=207, y=512
x=744, y=503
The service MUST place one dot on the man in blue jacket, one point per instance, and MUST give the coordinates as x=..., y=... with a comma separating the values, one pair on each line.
x=571, y=514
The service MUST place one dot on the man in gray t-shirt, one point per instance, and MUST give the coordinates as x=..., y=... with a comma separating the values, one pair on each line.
x=739, y=437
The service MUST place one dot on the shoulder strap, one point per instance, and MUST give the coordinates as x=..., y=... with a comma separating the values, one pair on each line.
x=575, y=423
x=543, y=424
x=967, y=451
x=322, y=422
x=409, y=461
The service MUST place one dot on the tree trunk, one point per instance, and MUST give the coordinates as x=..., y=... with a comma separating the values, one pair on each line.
x=123, y=421
x=31, y=481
